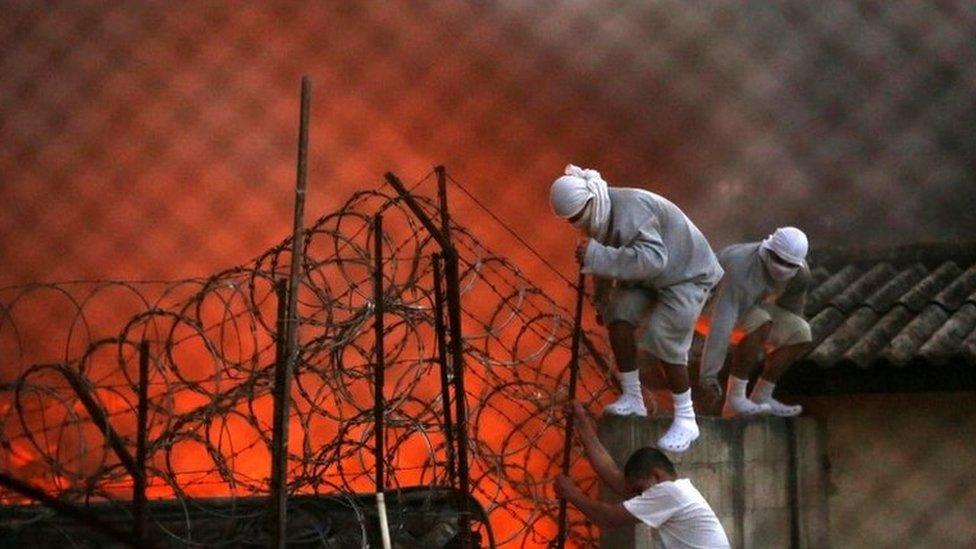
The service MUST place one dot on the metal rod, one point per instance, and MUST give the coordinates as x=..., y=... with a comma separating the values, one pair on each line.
x=139, y=484
x=281, y=359
x=571, y=397
x=284, y=369
x=81, y=388
x=380, y=357
x=378, y=383
x=442, y=200
x=441, y=334
x=453, y=276
x=83, y=516
x=453, y=279
x=442, y=239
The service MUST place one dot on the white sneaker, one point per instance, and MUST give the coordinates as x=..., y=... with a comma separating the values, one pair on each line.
x=739, y=406
x=627, y=405
x=777, y=408
x=679, y=436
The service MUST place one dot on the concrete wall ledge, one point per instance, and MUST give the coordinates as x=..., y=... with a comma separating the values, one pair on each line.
x=765, y=477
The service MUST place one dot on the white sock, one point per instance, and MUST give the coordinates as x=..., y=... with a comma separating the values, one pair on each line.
x=684, y=429
x=630, y=384
x=737, y=387
x=762, y=394
x=631, y=400
x=763, y=391
x=683, y=407
x=736, y=403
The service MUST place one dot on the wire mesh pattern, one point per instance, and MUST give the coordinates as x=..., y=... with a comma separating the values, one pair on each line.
x=152, y=140
x=212, y=357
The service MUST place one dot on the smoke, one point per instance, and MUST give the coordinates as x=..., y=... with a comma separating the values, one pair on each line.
x=155, y=141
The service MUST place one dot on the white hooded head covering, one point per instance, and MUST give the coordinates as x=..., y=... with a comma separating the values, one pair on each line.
x=788, y=243
x=579, y=189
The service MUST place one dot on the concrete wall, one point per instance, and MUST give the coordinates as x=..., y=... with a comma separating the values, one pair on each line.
x=902, y=469
x=764, y=477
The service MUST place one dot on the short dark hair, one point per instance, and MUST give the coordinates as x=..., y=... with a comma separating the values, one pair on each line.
x=644, y=460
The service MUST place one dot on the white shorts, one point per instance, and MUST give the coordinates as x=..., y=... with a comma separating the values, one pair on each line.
x=667, y=316
x=788, y=328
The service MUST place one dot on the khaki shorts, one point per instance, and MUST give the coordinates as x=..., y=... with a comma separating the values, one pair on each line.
x=667, y=315
x=788, y=328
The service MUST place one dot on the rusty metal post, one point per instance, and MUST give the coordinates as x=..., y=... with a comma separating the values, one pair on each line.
x=441, y=334
x=453, y=276
x=379, y=381
x=284, y=368
x=442, y=200
x=379, y=355
x=81, y=388
x=571, y=397
x=139, y=481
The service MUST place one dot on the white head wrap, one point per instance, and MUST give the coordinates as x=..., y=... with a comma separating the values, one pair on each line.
x=788, y=243
x=571, y=193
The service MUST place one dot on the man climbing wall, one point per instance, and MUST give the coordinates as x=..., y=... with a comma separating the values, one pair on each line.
x=654, y=270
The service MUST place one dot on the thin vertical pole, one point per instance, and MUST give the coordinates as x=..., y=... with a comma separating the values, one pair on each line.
x=452, y=274
x=573, y=375
x=442, y=200
x=379, y=380
x=139, y=481
x=284, y=368
x=441, y=334
x=281, y=359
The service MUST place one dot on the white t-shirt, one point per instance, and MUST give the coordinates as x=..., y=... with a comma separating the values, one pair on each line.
x=681, y=515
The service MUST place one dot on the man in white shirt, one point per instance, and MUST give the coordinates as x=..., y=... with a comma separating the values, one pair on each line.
x=654, y=270
x=650, y=492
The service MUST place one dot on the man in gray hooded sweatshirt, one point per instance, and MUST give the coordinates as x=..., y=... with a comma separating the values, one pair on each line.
x=762, y=294
x=654, y=269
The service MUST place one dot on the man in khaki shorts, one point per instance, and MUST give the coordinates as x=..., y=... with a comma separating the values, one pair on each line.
x=761, y=296
x=654, y=270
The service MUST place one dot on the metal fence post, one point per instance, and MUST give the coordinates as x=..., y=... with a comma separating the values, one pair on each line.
x=573, y=375
x=284, y=368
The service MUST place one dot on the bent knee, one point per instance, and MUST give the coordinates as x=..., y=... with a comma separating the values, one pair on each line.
x=792, y=330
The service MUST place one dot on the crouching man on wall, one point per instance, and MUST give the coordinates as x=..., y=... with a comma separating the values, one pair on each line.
x=648, y=490
x=762, y=293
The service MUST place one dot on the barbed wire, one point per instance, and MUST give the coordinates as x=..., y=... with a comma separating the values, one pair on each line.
x=212, y=356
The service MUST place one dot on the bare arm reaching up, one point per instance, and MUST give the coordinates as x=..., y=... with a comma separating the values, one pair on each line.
x=599, y=458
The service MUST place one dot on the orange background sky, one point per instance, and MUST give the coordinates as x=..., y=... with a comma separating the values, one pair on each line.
x=157, y=140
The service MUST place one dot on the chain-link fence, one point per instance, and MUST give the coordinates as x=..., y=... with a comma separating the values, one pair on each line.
x=156, y=140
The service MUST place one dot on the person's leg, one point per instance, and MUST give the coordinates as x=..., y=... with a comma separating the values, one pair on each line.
x=622, y=314
x=668, y=338
x=780, y=360
x=790, y=337
x=631, y=400
x=684, y=428
x=623, y=345
x=677, y=375
x=745, y=357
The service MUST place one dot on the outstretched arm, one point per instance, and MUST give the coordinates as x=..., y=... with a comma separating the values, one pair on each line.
x=606, y=468
x=601, y=513
x=725, y=313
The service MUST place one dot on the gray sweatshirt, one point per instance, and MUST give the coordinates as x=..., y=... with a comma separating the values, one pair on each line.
x=745, y=284
x=650, y=241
